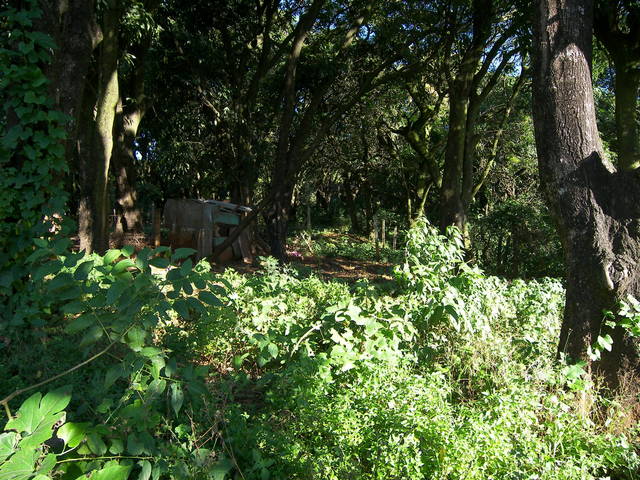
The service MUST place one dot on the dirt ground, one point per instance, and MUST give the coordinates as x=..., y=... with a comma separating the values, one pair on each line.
x=328, y=268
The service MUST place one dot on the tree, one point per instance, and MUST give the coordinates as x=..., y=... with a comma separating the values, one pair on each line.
x=595, y=206
x=617, y=26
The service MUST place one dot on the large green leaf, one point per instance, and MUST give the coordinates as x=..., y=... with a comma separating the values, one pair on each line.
x=110, y=472
x=20, y=466
x=8, y=441
x=177, y=397
x=145, y=472
x=72, y=433
x=28, y=416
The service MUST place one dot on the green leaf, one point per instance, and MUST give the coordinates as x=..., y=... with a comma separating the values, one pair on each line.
x=96, y=444
x=110, y=256
x=41, y=242
x=111, y=472
x=273, y=350
x=127, y=250
x=72, y=433
x=8, y=443
x=181, y=307
x=55, y=401
x=220, y=469
x=117, y=446
x=156, y=387
x=20, y=466
x=177, y=397
x=159, y=262
x=73, y=307
x=135, y=338
x=47, y=464
x=115, y=290
x=145, y=472
x=28, y=416
x=134, y=445
x=123, y=265
x=209, y=298
x=605, y=342
x=157, y=364
x=82, y=272
x=171, y=368
x=94, y=334
x=181, y=253
x=80, y=323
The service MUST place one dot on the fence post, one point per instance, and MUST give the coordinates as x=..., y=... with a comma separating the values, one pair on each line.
x=395, y=236
x=383, y=234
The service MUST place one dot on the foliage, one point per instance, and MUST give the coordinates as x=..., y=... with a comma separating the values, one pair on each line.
x=455, y=377
x=114, y=304
x=517, y=239
x=31, y=148
x=352, y=247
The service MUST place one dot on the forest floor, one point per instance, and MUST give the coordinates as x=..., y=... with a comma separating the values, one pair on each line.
x=332, y=256
x=328, y=268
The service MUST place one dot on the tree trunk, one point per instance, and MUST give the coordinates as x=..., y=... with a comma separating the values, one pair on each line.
x=452, y=211
x=597, y=210
x=128, y=118
x=84, y=169
x=277, y=220
x=452, y=208
x=105, y=115
x=628, y=144
x=73, y=27
x=350, y=201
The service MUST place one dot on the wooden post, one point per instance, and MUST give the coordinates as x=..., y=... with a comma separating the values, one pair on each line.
x=308, y=216
x=395, y=236
x=157, y=220
x=383, y=234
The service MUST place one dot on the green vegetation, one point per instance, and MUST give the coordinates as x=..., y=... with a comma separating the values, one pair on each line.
x=452, y=374
x=479, y=332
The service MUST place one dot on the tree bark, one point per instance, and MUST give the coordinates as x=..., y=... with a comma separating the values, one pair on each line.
x=597, y=209
x=73, y=27
x=102, y=147
x=129, y=113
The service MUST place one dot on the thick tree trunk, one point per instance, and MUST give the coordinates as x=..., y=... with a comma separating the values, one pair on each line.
x=597, y=209
x=73, y=27
x=85, y=171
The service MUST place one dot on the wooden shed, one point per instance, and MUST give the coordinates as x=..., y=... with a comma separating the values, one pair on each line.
x=205, y=224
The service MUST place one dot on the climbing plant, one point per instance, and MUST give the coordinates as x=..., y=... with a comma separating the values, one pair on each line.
x=31, y=148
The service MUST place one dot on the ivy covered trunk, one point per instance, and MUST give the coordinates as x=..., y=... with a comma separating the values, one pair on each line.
x=596, y=208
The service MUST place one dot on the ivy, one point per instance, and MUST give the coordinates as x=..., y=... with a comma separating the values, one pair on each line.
x=32, y=157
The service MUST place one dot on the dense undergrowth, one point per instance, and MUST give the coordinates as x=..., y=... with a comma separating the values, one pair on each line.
x=446, y=373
